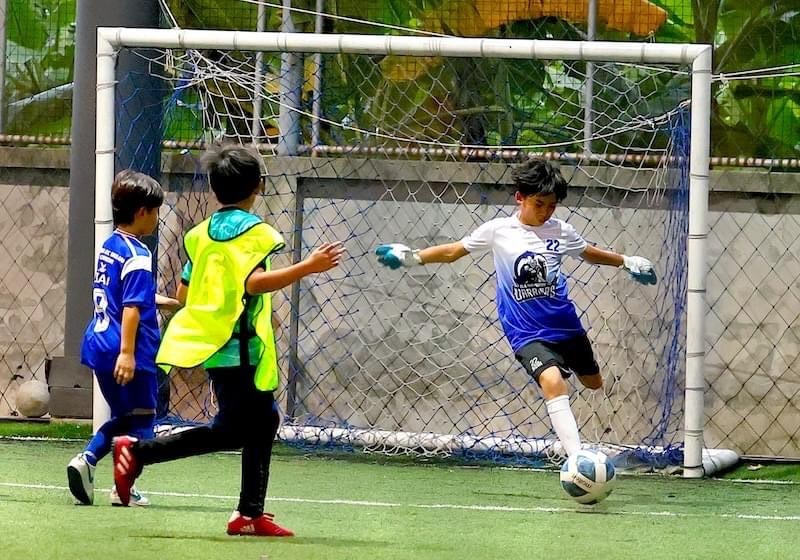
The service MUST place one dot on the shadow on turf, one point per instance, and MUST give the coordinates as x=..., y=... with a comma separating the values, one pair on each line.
x=226, y=509
x=319, y=541
x=12, y=498
x=525, y=495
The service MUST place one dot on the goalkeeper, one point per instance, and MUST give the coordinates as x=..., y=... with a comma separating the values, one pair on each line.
x=226, y=326
x=535, y=311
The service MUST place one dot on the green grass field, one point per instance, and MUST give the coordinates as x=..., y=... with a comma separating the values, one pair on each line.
x=370, y=507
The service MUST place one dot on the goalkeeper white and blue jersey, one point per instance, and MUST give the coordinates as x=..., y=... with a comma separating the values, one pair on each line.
x=532, y=300
x=123, y=277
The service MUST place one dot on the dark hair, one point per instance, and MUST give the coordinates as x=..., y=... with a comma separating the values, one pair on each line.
x=132, y=190
x=233, y=171
x=539, y=176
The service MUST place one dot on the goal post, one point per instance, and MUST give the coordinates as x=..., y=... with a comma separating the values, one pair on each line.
x=696, y=305
x=695, y=57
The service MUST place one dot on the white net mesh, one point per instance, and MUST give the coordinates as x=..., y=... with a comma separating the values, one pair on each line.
x=419, y=150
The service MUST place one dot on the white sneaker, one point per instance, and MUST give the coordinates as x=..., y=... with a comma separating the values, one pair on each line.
x=137, y=499
x=80, y=475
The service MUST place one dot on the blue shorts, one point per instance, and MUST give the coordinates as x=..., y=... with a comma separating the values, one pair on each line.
x=141, y=392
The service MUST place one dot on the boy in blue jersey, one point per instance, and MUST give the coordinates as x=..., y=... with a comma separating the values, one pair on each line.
x=121, y=341
x=535, y=311
x=226, y=326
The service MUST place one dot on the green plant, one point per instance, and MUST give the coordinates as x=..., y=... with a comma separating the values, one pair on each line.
x=40, y=53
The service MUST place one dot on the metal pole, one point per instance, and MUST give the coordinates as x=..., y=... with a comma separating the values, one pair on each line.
x=3, y=65
x=291, y=87
x=258, y=79
x=104, y=175
x=295, y=367
x=316, y=103
x=80, y=260
x=588, y=96
x=83, y=181
x=696, y=305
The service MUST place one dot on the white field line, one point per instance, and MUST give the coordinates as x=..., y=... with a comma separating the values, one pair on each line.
x=757, y=481
x=477, y=507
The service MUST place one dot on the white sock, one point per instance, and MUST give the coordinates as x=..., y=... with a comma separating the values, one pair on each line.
x=564, y=423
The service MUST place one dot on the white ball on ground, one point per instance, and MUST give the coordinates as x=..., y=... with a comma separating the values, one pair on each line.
x=33, y=399
x=588, y=477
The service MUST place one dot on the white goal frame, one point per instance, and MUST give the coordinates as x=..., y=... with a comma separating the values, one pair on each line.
x=109, y=40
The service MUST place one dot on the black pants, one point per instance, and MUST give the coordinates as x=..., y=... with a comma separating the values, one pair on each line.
x=247, y=419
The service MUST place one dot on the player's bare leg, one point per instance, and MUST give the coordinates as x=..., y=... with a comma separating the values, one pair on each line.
x=552, y=383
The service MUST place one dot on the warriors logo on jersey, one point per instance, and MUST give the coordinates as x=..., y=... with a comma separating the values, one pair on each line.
x=531, y=278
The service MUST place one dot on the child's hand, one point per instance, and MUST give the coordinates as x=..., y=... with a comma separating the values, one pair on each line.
x=123, y=370
x=640, y=268
x=325, y=257
x=167, y=303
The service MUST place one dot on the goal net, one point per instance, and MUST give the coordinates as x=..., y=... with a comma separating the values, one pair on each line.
x=369, y=142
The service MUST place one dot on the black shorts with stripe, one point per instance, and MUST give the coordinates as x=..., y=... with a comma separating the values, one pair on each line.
x=573, y=355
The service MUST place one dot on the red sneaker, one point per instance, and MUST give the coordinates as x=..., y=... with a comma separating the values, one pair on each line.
x=263, y=526
x=126, y=467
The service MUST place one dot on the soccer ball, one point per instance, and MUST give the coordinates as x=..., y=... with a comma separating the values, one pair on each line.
x=33, y=399
x=588, y=477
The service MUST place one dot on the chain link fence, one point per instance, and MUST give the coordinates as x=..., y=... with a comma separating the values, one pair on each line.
x=33, y=259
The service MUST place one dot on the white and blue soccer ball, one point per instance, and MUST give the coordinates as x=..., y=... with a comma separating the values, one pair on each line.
x=588, y=477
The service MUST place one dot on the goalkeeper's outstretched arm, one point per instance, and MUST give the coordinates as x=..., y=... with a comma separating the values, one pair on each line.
x=445, y=253
x=395, y=255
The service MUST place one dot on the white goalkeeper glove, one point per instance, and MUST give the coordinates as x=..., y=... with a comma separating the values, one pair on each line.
x=395, y=255
x=640, y=268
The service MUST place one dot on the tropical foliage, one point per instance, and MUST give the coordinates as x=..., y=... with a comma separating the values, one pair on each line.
x=754, y=117
x=476, y=101
x=40, y=48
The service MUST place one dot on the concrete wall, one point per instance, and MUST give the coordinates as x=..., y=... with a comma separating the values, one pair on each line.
x=422, y=350
x=33, y=246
